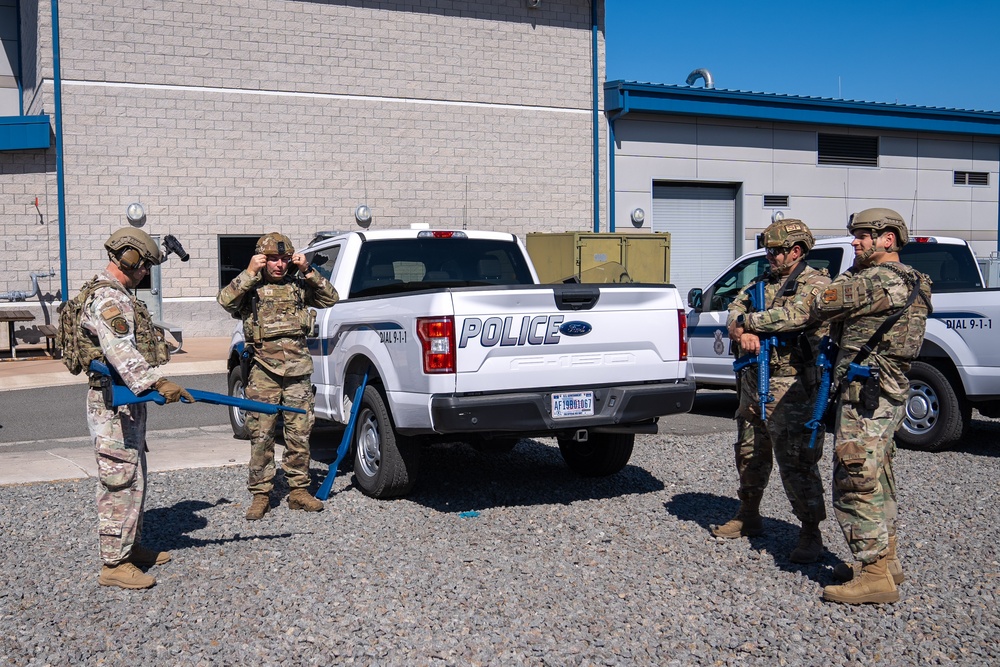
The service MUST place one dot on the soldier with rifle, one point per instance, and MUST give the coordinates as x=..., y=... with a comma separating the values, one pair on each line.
x=772, y=413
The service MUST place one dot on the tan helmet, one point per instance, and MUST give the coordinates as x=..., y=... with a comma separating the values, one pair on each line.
x=274, y=244
x=785, y=234
x=877, y=220
x=129, y=247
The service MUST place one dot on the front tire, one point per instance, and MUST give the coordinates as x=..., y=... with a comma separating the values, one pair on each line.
x=601, y=455
x=237, y=417
x=935, y=415
x=386, y=464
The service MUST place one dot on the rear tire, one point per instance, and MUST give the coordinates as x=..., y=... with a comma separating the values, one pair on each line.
x=386, y=464
x=935, y=416
x=601, y=455
x=237, y=417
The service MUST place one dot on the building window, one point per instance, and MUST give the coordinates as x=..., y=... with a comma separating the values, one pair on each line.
x=775, y=201
x=234, y=256
x=848, y=150
x=972, y=178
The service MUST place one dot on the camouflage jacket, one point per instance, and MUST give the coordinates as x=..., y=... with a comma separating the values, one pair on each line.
x=858, y=301
x=788, y=315
x=115, y=319
x=276, y=318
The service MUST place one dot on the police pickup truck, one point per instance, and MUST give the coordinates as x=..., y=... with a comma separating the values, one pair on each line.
x=460, y=343
x=959, y=363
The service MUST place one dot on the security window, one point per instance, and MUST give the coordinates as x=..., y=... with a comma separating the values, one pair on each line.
x=847, y=150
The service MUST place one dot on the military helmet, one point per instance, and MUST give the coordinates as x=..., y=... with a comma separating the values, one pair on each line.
x=128, y=248
x=878, y=220
x=785, y=234
x=274, y=244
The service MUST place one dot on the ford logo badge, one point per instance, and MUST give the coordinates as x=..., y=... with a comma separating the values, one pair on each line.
x=575, y=328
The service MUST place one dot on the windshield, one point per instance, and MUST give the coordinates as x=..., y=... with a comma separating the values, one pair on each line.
x=403, y=265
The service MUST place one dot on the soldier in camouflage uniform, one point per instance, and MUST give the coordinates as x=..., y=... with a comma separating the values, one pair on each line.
x=272, y=303
x=870, y=410
x=790, y=287
x=116, y=328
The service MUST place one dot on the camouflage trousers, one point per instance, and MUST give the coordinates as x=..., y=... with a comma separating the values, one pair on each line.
x=119, y=438
x=864, y=487
x=781, y=438
x=294, y=391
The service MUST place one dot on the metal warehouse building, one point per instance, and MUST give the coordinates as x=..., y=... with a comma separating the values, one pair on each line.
x=712, y=167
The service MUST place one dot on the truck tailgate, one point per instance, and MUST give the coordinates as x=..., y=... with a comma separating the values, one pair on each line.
x=629, y=335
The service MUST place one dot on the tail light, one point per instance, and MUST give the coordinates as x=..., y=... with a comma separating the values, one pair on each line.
x=437, y=338
x=682, y=335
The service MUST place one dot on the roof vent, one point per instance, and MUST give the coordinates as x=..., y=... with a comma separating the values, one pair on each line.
x=701, y=73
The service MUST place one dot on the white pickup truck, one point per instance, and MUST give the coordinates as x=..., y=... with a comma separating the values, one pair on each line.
x=959, y=363
x=461, y=343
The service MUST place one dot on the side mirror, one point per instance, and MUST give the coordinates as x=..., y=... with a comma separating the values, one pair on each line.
x=694, y=298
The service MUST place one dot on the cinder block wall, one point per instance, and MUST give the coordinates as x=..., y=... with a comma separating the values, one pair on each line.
x=242, y=117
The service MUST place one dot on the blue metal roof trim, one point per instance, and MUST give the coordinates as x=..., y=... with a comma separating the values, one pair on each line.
x=18, y=133
x=632, y=97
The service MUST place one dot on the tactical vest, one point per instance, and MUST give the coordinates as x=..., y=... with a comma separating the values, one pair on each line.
x=79, y=347
x=276, y=310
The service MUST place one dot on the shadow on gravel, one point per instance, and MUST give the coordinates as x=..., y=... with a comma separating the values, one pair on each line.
x=455, y=477
x=779, y=538
x=168, y=527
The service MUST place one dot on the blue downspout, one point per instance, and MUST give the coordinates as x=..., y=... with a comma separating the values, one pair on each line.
x=597, y=148
x=611, y=160
x=20, y=85
x=60, y=184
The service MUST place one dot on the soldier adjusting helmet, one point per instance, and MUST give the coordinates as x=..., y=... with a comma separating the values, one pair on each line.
x=785, y=234
x=128, y=248
x=274, y=244
x=878, y=220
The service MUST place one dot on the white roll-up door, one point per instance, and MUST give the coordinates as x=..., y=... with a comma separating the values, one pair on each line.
x=701, y=220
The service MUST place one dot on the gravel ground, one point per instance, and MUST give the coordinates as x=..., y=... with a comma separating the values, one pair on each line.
x=554, y=570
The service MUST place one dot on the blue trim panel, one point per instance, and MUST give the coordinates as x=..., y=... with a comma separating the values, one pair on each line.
x=705, y=331
x=683, y=100
x=958, y=315
x=19, y=133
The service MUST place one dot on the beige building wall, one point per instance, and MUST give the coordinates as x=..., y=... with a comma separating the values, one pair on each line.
x=243, y=116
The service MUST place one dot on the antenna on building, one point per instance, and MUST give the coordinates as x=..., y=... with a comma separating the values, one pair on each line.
x=913, y=213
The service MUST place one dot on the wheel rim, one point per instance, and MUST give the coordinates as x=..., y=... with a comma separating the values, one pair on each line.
x=922, y=409
x=369, y=451
x=239, y=415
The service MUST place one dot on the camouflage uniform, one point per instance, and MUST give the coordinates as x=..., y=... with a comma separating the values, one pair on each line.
x=864, y=489
x=276, y=327
x=114, y=320
x=794, y=379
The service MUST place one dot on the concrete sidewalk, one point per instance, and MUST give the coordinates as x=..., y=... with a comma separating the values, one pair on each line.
x=74, y=458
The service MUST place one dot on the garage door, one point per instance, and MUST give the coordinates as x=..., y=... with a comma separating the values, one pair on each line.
x=701, y=220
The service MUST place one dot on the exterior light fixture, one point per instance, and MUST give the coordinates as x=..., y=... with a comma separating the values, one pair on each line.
x=777, y=216
x=363, y=215
x=136, y=214
x=534, y=4
x=638, y=216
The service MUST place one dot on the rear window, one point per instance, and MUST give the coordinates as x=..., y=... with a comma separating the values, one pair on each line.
x=950, y=267
x=404, y=265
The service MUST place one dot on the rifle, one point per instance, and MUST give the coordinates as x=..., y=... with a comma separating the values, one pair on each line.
x=827, y=353
x=324, y=490
x=117, y=394
x=762, y=358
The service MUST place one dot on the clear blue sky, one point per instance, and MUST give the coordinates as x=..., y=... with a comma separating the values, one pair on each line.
x=922, y=52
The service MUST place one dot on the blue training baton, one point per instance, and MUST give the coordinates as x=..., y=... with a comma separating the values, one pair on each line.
x=345, y=442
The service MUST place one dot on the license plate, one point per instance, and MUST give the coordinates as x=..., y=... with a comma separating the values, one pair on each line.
x=574, y=404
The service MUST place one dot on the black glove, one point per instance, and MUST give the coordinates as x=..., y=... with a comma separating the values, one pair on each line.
x=172, y=391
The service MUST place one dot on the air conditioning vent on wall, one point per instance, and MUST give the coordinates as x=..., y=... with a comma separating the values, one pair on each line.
x=972, y=178
x=775, y=201
x=847, y=150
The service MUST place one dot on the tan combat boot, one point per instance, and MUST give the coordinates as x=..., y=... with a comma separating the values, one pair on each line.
x=299, y=499
x=125, y=575
x=259, y=507
x=747, y=522
x=847, y=571
x=810, y=544
x=148, y=557
x=872, y=585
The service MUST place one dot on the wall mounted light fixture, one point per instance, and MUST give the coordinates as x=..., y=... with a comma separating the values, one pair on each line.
x=638, y=216
x=135, y=214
